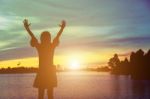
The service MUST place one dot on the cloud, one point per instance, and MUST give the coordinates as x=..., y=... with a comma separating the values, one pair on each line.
x=133, y=40
x=17, y=53
x=124, y=54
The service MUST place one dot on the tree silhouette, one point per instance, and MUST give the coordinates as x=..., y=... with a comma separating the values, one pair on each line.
x=138, y=66
x=113, y=62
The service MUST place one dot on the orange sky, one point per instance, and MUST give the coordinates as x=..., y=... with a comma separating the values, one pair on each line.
x=82, y=59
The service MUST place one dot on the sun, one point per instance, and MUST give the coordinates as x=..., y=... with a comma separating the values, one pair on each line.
x=74, y=65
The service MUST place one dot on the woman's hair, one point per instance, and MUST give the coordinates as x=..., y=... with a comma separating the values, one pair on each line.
x=45, y=37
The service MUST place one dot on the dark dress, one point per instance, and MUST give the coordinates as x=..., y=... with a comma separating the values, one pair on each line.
x=46, y=75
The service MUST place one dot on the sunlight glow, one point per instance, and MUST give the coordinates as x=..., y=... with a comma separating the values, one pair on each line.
x=74, y=65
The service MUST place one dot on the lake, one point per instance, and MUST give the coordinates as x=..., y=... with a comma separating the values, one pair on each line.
x=76, y=85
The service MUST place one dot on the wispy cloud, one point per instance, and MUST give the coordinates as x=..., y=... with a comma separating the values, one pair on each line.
x=133, y=40
x=16, y=53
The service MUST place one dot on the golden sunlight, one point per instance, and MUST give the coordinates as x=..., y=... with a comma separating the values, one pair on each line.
x=74, y=64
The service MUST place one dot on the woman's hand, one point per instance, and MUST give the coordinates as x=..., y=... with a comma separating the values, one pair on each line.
x=63, y=24
x=26, y=23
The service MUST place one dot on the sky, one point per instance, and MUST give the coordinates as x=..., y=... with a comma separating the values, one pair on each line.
x=95, y=30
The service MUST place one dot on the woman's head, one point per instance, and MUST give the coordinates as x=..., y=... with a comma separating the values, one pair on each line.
x=45, y=37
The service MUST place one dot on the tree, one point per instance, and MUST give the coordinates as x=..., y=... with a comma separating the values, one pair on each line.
x=114, y=62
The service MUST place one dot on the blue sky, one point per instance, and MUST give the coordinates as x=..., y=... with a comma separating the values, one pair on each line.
x=93, y=26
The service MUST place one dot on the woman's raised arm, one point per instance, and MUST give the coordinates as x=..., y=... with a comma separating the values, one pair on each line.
x=56, y=39
x=34, y=41
x=27, y=27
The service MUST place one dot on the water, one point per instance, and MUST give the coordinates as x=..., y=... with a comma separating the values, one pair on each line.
x=75, y=85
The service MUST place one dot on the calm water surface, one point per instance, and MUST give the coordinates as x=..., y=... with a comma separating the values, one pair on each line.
x=76, y=85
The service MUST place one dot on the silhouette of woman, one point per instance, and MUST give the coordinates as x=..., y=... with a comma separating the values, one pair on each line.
x=46, y=76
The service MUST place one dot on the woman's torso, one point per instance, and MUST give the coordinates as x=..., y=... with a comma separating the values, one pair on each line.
x=46, y=54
